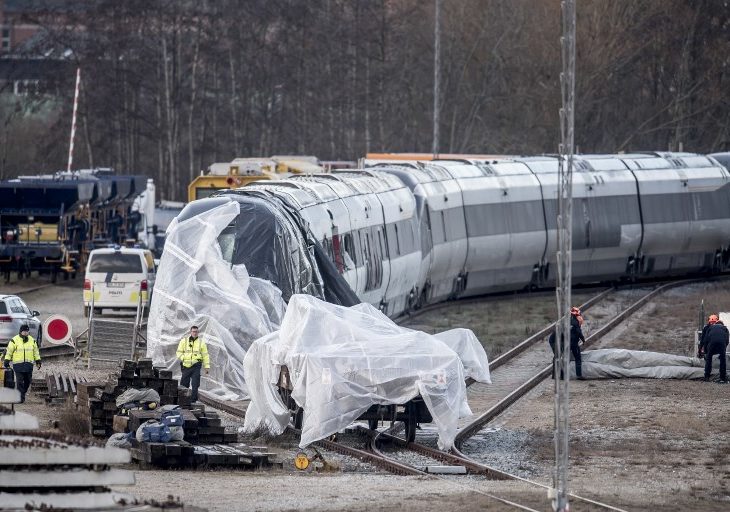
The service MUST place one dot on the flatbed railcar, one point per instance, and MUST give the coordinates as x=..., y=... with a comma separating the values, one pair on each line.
x=50, y=223
x=412, y=413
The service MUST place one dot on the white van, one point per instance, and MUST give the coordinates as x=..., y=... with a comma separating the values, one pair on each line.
x=117, y=277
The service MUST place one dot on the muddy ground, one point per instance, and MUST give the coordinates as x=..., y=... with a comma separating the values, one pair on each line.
x=637, y=444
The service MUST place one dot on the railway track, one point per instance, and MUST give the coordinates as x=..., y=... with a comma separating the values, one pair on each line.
x=54, y=351
x=524, y=362
x=525, y=366
x=456, y=459
x=375, y=456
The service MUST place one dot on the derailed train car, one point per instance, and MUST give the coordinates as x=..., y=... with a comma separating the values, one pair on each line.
x=403, y=234
x=49, y=223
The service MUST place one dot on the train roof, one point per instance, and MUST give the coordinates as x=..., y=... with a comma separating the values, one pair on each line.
x=303, y=191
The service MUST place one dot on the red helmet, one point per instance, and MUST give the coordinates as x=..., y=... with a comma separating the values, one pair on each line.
x=713, y=319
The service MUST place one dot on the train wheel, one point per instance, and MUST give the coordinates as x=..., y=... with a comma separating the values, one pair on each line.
x=411, y=422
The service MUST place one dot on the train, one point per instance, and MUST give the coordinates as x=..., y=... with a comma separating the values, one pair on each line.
x=49, y=223
x=403, y=233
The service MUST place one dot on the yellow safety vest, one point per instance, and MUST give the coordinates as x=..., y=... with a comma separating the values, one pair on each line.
x=191, y=353
x=19, y=352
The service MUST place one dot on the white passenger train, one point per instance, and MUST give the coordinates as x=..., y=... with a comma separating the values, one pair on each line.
x=404, y=234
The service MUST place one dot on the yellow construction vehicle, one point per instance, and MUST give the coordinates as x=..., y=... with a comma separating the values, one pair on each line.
x=239, y=172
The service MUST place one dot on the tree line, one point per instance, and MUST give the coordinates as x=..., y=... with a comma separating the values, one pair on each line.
x=170, y=86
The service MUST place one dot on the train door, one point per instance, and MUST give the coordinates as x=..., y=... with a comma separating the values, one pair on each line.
x=426, y=252
x=666, y=207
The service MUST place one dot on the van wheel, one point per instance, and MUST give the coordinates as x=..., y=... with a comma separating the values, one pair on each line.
x=97, y=311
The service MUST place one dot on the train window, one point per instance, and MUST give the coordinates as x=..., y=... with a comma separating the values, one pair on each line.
x=455, y=226
x=426, y=240
x=409, y=230
x=350, y=249
x=379, y=248
x=369, y=262
x=397, y=241
x=437, y=227
x=227, y=241
x=378, y=263
x=443, y=224
x=337, y=253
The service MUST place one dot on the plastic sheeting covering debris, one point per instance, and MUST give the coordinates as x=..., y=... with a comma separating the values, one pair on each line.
x=196, y=286
x=622, y=363
x=343, y=360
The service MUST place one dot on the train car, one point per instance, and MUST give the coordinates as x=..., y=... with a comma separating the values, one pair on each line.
x=367, y=226
x=684, y=202
x=404, y=233
x=49, y=223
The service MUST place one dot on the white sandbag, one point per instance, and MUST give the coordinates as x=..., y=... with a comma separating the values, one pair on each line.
x=138, y=395
x=177, y=433
x=119, y=440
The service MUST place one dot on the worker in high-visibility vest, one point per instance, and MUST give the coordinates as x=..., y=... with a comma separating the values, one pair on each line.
x=23, y=351
x=193, y=355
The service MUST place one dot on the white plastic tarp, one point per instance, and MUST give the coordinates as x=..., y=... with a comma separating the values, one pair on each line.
x=343, y=360
x=622, y=363
x=196, y=286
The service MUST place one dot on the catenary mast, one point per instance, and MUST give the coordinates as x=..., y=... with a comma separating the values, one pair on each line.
x=564, y=258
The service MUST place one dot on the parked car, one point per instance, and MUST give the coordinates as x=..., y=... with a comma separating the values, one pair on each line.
x=117, y=277
x=13, y=313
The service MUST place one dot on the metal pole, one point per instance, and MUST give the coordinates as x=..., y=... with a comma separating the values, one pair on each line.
x=564, y=259
x=91, y=325
x=436, y=75
x=73, y=120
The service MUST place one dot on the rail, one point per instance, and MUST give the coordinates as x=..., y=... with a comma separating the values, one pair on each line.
x=477, y=424
x=456, y=458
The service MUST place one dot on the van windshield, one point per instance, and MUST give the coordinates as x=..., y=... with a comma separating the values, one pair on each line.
x=117, y=262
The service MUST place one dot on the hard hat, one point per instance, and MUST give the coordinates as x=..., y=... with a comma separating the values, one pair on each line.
x=713, y=319
x=575, y=311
